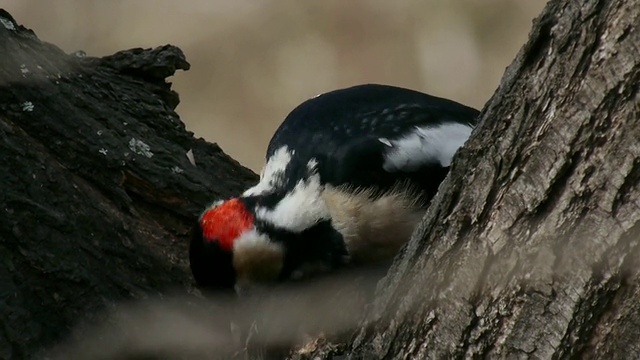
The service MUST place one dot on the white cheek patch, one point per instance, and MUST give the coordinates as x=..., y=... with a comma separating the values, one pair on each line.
x=251, y=239
x=300, y=209
x=426, y=145
x=256, y=258
x=272, y=172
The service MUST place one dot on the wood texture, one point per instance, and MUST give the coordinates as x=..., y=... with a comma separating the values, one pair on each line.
x=97, y=191
x=531, y=248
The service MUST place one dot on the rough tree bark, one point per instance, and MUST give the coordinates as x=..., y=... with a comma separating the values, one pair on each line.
x=98, y=193
x=529, y=250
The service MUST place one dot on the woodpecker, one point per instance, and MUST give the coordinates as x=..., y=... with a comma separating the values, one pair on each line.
x=348, y=176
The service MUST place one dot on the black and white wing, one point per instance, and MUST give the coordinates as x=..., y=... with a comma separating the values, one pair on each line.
x=368, y=136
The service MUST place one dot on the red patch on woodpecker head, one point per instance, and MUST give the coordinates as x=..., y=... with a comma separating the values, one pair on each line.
x=225, y=223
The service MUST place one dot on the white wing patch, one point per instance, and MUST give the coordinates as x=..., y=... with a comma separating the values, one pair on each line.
x=272, y=172
x=385, y=141
x=300, y=209
x=425, y=145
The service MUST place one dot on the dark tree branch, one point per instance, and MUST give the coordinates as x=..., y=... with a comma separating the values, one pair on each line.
x=98, y=193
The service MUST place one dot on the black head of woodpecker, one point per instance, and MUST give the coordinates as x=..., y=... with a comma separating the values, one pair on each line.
x=348, y=176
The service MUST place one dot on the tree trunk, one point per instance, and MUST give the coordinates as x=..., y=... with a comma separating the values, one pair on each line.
x=529, y=249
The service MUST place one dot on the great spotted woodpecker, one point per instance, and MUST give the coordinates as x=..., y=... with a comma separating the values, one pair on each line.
x=348, y=176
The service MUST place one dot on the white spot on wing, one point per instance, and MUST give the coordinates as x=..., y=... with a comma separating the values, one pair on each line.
x=272, y=171
x=300, y=209
x=312, y=164
x=426, y=145
x=385, y=141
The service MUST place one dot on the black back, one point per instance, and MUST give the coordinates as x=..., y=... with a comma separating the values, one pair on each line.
x=341, y=130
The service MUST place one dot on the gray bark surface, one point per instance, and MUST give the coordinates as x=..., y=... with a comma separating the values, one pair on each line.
x=97, y=193
x=531, y=248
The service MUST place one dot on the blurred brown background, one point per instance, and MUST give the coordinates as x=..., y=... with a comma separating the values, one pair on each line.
x=253, y=61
